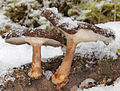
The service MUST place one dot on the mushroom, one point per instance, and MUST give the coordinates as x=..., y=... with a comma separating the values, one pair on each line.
x=36, y=38
x=75, y=32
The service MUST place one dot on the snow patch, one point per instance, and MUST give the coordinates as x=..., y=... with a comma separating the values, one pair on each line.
x=86, y=81
x=71, y=24
x=115, y=87
x=53, y=9
x=17, y=55
x=48, y=74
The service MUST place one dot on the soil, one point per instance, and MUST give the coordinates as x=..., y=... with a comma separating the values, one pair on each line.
x=81, y=69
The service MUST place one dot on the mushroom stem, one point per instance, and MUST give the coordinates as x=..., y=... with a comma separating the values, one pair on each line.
x=36, y=70
x=60, y=77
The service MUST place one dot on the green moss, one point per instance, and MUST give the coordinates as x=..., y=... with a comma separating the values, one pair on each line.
x=20, y=13
x=76, y=1
x=105, y=61
x=7, y=29
x=97, y=14
x=118, y=51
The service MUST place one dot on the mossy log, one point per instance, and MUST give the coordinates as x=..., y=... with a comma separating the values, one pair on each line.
x=99, y=71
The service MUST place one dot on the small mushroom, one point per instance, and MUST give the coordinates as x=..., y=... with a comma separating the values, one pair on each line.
x=36, y=38
x=75, y=32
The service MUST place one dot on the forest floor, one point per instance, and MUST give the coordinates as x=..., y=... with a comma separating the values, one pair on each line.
x=99, y=71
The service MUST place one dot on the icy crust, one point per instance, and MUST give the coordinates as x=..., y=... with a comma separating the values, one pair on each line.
x=71, y=26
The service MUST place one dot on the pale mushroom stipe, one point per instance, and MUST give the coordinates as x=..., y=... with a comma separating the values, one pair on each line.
x=36, y=38
x=75, y=32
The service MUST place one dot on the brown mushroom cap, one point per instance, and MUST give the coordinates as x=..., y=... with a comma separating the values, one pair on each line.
x=55, y=19
x=19, y=37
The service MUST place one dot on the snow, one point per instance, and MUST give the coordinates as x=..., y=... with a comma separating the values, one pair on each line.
x=5, y=21
x=17, y=55
x=53, y=9
x=100, y=4
x=115, y=87
x=99, y=49
x=85, y=11
x=71, y=24
x=86, y=81
x=48, y=74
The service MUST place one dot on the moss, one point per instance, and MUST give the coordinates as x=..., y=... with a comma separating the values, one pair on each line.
x=16, y=13
x=7, y=29
x=63, y=6
x=105, y=61
x=96, y=14
x=21, y=77
x=76, y=1
x=20, y=13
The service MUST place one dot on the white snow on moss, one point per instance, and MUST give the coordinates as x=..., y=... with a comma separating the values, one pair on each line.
x=6, y=22
x=53, y=9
